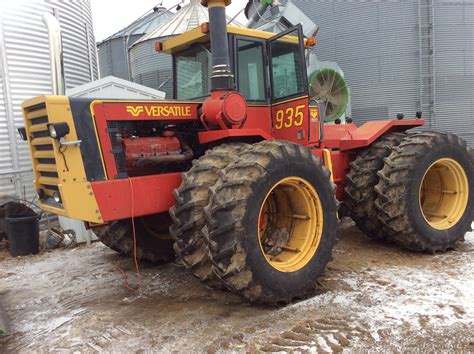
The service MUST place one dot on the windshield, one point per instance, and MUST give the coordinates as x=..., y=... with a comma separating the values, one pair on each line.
x=192, y=72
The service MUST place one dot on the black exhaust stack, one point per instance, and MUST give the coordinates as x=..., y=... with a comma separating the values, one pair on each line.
x=221, y=76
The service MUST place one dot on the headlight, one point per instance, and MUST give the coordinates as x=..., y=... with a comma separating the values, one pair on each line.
x=52, y=131
x=58, y=130
x=57, y=197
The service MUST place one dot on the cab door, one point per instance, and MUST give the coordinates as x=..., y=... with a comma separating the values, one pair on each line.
x=252, y=80
x=288, y=86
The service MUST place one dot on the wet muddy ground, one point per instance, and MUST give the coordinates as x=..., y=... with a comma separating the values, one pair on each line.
x=373, y=297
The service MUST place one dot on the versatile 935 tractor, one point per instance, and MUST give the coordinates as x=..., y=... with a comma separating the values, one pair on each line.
x=243, y=164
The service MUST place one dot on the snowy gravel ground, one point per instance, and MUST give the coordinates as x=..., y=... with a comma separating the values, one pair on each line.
x=373, y=296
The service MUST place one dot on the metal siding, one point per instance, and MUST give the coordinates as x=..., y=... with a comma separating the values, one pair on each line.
x=150, y=68
x=6, y=163
x=453, y=23
x=25, y=58
x=79, y=47
x=376, y=44
x=402, y=56
x=113, y=57
x=104, y=58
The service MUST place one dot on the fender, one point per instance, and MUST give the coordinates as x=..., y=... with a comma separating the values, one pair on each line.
x=348, y=137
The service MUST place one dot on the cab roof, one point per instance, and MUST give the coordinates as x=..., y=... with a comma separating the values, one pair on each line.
x=201, y=35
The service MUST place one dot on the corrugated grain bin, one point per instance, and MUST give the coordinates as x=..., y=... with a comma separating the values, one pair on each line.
x=113, y=51
x=25, y=72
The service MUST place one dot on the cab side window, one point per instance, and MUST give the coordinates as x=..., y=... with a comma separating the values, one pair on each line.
x=251, y=74
x=287, y=66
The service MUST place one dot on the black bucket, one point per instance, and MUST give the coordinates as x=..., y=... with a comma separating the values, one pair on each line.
x=23, y=234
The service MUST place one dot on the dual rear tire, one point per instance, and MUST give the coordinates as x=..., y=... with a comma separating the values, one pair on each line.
x=425, y=193
x=416, y=190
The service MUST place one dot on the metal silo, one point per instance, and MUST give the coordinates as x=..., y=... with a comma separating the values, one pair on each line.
x=152, y=69
x=25, y=72
x=112, y=52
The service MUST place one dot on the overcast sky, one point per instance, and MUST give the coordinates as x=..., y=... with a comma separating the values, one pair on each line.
x=111, y=16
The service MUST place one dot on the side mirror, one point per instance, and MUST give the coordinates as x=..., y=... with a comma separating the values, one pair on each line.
x=22, y=132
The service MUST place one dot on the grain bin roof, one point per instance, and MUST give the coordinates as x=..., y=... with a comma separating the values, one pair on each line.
x=190, y=16
x=144, y=24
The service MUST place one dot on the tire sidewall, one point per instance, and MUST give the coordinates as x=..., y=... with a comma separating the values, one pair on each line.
x=270, y=278
x=418, y=222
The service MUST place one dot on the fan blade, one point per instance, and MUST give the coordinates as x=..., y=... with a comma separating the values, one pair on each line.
x=316, y=87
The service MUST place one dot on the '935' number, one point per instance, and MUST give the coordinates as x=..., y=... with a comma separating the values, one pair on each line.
x=287, y=118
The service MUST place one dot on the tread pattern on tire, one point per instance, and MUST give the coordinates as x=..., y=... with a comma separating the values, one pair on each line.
x=226, y=212
x=118, y=235
x=393, y=184
x=359, y=194
x=189, y=222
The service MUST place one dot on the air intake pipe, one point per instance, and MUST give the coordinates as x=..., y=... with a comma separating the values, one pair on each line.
x=55, y=53
x=225, y=108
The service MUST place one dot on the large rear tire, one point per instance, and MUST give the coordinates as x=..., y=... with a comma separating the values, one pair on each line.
x=188, y=228
x=360, y=182
x=426, y=192
x=272, y=222
x=152, y=247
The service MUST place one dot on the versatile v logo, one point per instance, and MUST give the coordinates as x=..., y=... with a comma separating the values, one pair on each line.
x=135, y=110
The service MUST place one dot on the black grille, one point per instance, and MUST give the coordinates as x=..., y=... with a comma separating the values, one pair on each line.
x=117, y=149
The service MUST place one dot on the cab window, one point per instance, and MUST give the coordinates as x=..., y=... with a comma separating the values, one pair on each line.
x=287, y=66
x=192, y=72
x=250, y=73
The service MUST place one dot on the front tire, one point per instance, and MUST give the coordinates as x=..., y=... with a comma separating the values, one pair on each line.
x=426, y=192
x=152, y=247
x=272, y=222
x=188, y=228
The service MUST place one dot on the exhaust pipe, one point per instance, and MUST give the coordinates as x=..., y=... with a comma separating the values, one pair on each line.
x=221, y=76
x=55, y=53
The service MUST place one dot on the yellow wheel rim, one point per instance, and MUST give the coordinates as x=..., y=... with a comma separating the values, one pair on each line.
x=290, y=224
x=444, y=193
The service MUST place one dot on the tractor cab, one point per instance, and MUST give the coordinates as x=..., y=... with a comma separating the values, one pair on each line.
x=269, y=71
x=253, y=53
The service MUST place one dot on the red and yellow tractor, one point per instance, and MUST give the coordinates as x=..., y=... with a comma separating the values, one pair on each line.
x=241, y=169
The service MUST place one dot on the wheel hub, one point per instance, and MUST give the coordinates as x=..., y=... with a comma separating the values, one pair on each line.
x=290, y=224
x=444, y=193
